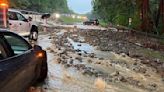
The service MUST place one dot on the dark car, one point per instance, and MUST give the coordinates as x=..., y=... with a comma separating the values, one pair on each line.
x=45, y=16
x=21, y=64
x=91, y=22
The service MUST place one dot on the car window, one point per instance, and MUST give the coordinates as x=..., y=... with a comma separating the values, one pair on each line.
x=3, y=53
x=18, y=45
x=20, y=17
x=13, y=16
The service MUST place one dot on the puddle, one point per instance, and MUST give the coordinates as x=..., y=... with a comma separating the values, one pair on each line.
x=84, y=47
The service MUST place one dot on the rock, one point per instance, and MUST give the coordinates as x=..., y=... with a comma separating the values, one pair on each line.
x=98, y=74
x=88, y=72
x=159, y=62
x=123, y=54
x=59, y=60
x=98, y=62
x=115, y=73
x=68, y=65
x=122, y=79
x=90, y=61
x=71, y=61
x=59, y=48
x=119, y=79
x=63, y=57
x=79, y=58
x=145, y=61
x=136, y=63
x=85, y=52
x=50, y=38
x=92, y=55
x=85, y=55
x=79, y=66
x=79, y=54
x=101, y=58
x=63, y=52
x=48, y=48
x=52, y=51
x=147, y=75
x=78, y=50
x=64, y=62
x=152, y=86
x=79, y=45
x=139, y=69
x=142, y=70
x=131, y=81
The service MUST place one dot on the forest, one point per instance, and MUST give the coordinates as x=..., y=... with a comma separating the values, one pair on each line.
x=145, y=15
x=41, y=5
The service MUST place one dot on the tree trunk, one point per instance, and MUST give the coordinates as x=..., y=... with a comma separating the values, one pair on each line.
x=146, y=21
x=160, y=16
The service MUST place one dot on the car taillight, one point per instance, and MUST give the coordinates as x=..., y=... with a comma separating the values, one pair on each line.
x=40, y=55
x=3, y=13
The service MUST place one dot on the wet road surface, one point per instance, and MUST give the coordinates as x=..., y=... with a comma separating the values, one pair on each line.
x=75, y=66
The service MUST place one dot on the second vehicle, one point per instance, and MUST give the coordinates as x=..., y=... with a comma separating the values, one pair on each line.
x=21, y=25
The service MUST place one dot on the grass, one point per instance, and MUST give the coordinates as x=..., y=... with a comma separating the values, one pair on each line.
x=103, y=24
x=153, y=54
x=69, y=20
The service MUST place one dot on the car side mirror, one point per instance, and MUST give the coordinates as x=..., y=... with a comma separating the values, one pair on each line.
x=25, y=20
x=29, y=18
x=37, y=47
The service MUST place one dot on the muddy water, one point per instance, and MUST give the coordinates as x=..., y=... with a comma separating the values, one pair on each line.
x=104, y=72
x=84, y=47
x=61, y=79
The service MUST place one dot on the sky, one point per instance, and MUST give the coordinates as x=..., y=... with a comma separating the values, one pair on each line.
x=80, y=6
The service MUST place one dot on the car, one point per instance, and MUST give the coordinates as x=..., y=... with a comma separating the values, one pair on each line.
x=19, y=24
x=91, y=22
x=21, y=64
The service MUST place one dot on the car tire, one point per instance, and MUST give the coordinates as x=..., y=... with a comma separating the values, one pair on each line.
x=34, y=34
x=43, y=71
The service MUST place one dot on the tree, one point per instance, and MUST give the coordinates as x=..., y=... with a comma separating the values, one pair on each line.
x=41, y=5
x=146, y=15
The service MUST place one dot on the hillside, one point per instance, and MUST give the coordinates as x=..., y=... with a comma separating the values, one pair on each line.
x=41, y=5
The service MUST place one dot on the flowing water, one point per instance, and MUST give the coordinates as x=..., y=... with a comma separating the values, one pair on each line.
x=63, y=79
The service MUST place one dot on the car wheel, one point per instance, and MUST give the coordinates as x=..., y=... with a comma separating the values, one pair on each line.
x=34, y=35
x=43, y=71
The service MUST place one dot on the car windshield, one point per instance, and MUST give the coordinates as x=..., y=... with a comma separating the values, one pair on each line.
x=91, y=45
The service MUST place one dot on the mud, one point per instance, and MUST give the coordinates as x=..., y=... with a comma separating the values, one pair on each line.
x=91, y=61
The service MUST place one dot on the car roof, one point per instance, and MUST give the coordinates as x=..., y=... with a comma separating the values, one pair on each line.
x=5, y=31
x=13, y=10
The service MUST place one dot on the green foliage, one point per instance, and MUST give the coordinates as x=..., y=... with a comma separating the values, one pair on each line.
x=115, y=11
x=70, y=20
x=41, y=5
x=118, y=12
x=136, y=21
